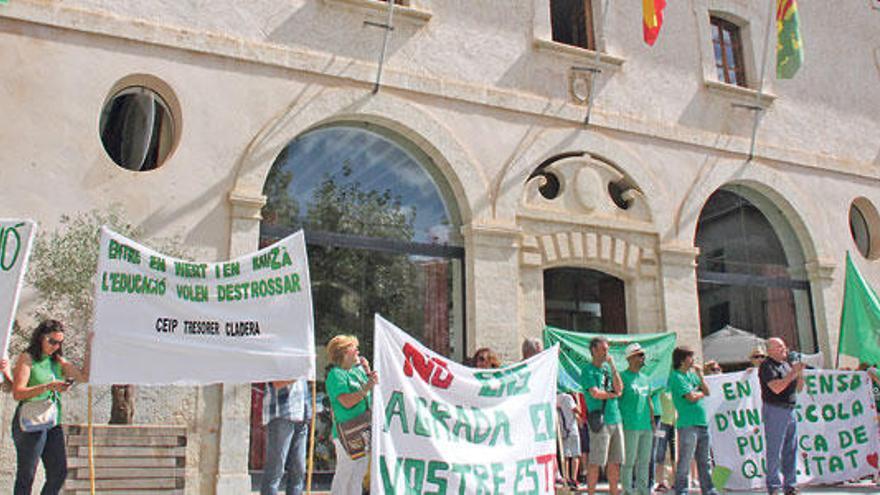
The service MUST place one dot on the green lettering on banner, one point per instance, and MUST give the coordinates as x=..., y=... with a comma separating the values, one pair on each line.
x=753, y=442
x=190, y=270
x=388, y=481
x=462, y=470
x=481, y=474
x=835, y=464
x=434, y=467
x=129, y=283
x=440, y=413
x=502, y=428
x=8, y=253
x=816, y=443
x=736, y=390
x=157, y=263
x=420, y=427
x=193, y=293
x=543, y=425
x=231, y=269
x=498, y=478
x=482, y=426
x=119, y=251
x=414, y=474
x=851, y=455
x=514, y=381
x=524, y=474
x=274, y=259
x=396, y=407
x=462, y=422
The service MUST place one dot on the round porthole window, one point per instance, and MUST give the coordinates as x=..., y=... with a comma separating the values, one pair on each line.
x=864, y=221
x=138, y=128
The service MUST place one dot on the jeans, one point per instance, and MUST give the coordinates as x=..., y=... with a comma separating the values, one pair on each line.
x=637, y=445
x=651, y=466
x=693, y=443
x=350, y=472
x=780, y=435
x=30, y=448
x=285, y=450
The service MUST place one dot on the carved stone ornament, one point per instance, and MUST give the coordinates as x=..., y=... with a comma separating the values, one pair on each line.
x=584, y=192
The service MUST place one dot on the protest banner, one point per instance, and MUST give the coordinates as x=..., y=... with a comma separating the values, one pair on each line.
x=574, y=353
x=837, y=431
x=160, y=320
x=16, y=237
x=443, y=428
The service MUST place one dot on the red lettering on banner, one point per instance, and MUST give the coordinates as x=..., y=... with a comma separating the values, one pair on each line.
x=549, y=462
x=433, y=371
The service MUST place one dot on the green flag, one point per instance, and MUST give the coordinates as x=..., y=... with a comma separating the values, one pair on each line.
x=574, y=352
x=860, y=318
x=789, y=48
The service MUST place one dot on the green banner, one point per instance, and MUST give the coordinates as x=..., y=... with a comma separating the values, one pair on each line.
x=860, y=318
x=574, y=353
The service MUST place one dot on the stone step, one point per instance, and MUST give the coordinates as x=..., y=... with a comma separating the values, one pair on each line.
x=108, y=451
x=120, y=440
x=138, y=462
x=127, y=473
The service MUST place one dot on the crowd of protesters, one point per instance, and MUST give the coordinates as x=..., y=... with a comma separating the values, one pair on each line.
x=617, y=423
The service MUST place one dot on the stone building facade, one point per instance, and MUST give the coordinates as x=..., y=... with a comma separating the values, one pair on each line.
x=485, y=97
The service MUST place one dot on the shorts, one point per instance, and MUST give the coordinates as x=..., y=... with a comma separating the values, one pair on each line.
x=606, y=445
x=571, y=445
x=664, y=443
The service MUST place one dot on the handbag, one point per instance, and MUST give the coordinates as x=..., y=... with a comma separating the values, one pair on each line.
x=354, y=435
x=38, y=415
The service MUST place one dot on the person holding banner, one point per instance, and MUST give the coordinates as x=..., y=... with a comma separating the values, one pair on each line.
x=41, y=375
x=688, y=388
x=637, y=412
x=349, y=385
x=602, y=386
x=5, y=374
x=780, y=381
x=286, y=414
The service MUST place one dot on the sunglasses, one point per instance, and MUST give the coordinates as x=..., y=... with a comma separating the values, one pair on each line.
x=758, y=356
x=52, y=341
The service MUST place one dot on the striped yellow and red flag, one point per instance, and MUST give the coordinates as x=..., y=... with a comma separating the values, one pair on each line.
x=652, y=19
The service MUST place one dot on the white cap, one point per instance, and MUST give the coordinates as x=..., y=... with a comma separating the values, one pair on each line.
x=634, y=349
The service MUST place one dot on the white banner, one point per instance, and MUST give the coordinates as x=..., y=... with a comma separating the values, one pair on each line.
x=160, y=320
x=837, y=429
x=440, y=427
x=16, y=237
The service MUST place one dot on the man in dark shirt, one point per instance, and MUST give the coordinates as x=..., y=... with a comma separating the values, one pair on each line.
x=780, y=381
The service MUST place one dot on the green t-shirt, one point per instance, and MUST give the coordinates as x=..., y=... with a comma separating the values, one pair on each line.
x=601, y=378
x=46, y=370
x=634, y=408
x=689, y=413
x=340, y=381
x=667, y=417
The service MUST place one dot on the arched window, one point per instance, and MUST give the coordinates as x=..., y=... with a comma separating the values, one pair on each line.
x=751, y=277
x=383, y=236
x=584, y=300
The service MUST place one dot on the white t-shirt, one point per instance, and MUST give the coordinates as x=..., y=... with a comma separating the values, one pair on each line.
x=567, y=405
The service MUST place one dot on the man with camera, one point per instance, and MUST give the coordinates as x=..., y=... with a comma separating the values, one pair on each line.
x=602, y=387
x=780, y=381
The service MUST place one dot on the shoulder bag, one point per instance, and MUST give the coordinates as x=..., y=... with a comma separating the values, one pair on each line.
x=39, y=415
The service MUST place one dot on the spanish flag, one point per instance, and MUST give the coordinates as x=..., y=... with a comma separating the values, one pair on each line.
x=789, y=47
x=652, y=12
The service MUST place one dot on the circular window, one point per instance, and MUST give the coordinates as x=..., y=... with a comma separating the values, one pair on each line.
x=863, y=224
x=137, y=128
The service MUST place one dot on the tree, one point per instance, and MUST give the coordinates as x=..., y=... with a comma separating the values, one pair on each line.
x=62, y=270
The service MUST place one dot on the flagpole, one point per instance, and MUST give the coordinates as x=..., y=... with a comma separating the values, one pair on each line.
x=758, y=109
x=595, y=72
x=91, y=443
x=311, y=442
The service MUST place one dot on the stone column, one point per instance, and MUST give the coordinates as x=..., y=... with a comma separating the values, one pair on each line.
x=493, y=288
x=826, y=307
x=681, y=308
x=232, y=475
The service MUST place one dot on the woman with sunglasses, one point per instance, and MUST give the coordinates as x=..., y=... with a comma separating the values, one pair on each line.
x=41, y=373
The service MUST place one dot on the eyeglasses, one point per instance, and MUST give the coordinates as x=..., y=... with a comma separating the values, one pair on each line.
x=52, y=341
x=758, y=356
